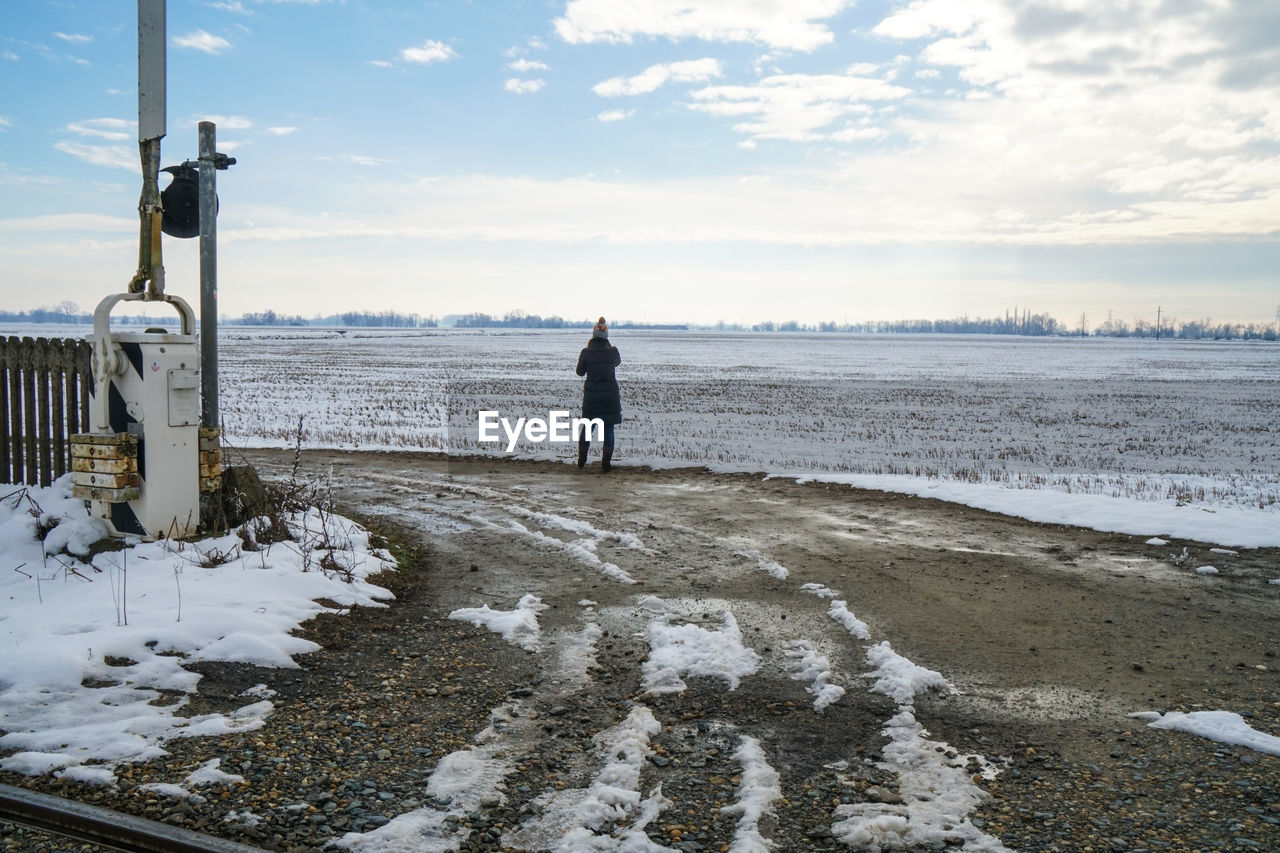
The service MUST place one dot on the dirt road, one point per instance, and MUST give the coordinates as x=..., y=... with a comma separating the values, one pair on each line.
x=1050, y=637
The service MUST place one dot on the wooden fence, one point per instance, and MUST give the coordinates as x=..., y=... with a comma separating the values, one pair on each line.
x=44, y=400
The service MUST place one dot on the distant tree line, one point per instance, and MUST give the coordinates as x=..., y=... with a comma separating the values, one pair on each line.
x=1026, y=323
x=521, y=320
x=380, y=319
x=1018, y=322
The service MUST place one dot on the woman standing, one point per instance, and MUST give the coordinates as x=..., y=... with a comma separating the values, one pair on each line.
x=600, y=396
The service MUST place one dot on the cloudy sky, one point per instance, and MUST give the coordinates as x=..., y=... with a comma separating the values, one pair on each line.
x=666, y=160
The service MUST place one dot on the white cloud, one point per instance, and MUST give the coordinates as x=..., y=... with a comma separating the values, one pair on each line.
x=10, y=55
x=782, y=24
x=928, y=74
x=869, y=203
x=655, y=76
x=5, y=122
x=65, y=222
x=429, y=51
x=525, y=65
x=381, y=63
x=74, y=38
x=234, y=6
x=114, y=156
x=795, y=107
x=113, y=129
x=359, y=159
x=281, y=131
x=202, y=41
x=925, y=17
x=227, y=122
x=615, y=115
x=523, y=87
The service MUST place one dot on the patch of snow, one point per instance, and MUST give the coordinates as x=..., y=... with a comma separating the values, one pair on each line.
x=582, y=528
x=1206, y=570
x=758, y=790
x=840, y=612
x=899, y=678
x=687, y=649
x=1221, y=726
x=577, y=655
x=518, y=626
x=462, y=782
x=820, y=590
x=806, y=664
x=588, y=818
x=89, y=774
x=209, y=774
x=653, y=604
x=260, y=691
x=937, y=795
x=87, y=647
x=173, y=792
x=584, y=550
x=1156, y=540
x=1226, y=551
x=763, y=563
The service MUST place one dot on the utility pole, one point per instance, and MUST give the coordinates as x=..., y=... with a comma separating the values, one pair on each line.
x=1157, y=322
x=210, y=162
x=151, y=129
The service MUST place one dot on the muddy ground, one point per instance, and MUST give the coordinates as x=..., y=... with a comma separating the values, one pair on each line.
x=1051, y=637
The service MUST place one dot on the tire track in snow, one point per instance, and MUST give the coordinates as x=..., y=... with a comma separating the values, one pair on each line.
x=937, y=792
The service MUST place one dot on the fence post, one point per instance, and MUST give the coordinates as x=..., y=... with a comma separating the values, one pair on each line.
x=44, y=416
x=84, y=379
x=4, y=410
x=29, y=411
x=57, y=376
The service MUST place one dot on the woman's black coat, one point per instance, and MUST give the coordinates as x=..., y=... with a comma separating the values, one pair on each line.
x=600, y=396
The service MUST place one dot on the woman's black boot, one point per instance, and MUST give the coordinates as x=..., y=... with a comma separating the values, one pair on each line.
x=583, y=447
x=606, y=458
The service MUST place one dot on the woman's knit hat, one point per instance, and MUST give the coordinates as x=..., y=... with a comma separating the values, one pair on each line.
x=601, y=330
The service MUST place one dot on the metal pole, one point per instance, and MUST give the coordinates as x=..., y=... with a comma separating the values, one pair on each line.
x=208, y=275
x=151, y=129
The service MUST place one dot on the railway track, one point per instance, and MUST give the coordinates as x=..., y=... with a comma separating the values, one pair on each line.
x=104, y=827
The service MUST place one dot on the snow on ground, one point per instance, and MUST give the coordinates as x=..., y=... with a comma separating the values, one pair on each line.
x=583, y=550
x=763, y=563
x=91, y=648
x=839, y=611
x=899, y=678
x=937, y=793
x=758, y=790
x=593, y=818
x=806, y=664
x=1222, y=726
x=518, y=626
x=1228, y=525
x=462, y=783
x=677, y=649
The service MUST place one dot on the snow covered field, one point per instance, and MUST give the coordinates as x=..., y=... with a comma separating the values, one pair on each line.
x=1141, y=427
x=1136, y=436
